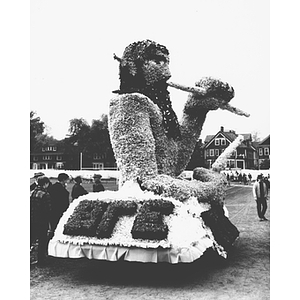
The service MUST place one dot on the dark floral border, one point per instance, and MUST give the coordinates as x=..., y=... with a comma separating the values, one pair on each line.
x=85, y=218
x=94, y=218
x=148, y=223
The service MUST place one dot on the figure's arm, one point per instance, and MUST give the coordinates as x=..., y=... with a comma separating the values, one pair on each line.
x=194, y=114
x=131, y=136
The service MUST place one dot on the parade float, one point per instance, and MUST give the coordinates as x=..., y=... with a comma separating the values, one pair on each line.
x=156, y=215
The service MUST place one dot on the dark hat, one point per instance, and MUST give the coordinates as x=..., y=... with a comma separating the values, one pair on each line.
x=78, y=179
x=42, y=180
x=38, y=174
x=62, y=176
x=97, y=176
x=260, y=176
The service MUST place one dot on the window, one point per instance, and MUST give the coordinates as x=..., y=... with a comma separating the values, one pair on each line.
x=47, y=157
x=49, y=148
x=98, y=166
x=220, y=141
x=211, y=152
x=97, y=156
x=266, y=151
x=35, y=158
x=217, y=153
x=260, y=151
x=209, y=163
x=58, y=157
x=59, y=165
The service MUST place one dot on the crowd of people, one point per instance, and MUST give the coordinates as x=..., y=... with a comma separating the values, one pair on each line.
x=48, y=202
x=243, y=178
x=260, y=189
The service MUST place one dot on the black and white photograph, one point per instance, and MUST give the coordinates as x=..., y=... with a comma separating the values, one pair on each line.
x=149, y=150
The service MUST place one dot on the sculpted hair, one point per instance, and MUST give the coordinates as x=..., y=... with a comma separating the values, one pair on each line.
x=132, y=80
x=134, y=56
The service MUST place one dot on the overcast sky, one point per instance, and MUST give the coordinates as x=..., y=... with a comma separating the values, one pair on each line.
x=73, y=72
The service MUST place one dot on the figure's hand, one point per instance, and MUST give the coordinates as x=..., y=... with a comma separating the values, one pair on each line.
x=216, y=94
x=216, y=88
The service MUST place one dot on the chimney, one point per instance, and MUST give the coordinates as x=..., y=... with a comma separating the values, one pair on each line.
x=222, y=129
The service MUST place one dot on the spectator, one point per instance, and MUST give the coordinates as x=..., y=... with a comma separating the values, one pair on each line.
x=260, y=193
x=245, y=179
x=59, y=199
x=250, y=177
x=228, y=179
x=78, y=189
x=267, y=182
x=98, y=186
x=35, y=184
x=40, y=213
x=240, y=178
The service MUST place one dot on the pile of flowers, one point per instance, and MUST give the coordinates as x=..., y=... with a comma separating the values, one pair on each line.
x=134, y=147
x=152, y=222
x=209, y=191
x=213, y=89
x=99, y=218
x=85, y=218
x=148, y=223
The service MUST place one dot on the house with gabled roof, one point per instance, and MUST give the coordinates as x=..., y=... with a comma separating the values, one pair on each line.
x=263, y=149
x=244, y=157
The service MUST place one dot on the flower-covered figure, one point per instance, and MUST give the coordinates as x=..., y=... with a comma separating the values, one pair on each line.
x=151, y=146
x=155, y=216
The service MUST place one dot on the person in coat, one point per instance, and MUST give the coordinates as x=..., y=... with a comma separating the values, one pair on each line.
x=78, y=189
x=98, y=186
x=59, y=199
x=35, y=183
x=40, y=213
x=260, y=194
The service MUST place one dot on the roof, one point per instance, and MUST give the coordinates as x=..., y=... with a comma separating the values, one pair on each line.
x=230, y=135
x=265, y=141
x=208, y=138
x=247, y=136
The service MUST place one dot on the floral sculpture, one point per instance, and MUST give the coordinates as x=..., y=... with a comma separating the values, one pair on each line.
x=155, y=216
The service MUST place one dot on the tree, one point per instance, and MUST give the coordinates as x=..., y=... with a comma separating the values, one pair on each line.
x=79, y=132
x=43, y=140
x=99, y=138
x=265, y=164
x=255, y=136
x=37, y=128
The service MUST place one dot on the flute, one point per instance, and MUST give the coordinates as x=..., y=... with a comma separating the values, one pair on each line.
x=202, y=92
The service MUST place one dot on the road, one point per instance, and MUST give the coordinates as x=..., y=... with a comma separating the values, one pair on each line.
x=244, y=275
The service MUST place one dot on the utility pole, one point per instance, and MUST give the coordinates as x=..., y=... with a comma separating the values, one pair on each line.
x=80, y=161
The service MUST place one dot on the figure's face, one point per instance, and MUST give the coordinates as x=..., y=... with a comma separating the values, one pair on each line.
x=156, y=70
